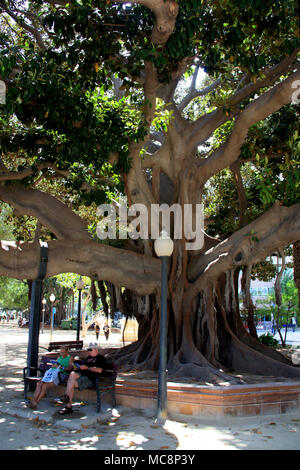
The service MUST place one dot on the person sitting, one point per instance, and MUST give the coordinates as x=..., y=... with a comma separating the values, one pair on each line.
x=84, y=376
x=64, y=363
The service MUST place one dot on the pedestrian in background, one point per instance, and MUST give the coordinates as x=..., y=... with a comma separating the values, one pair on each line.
x=97, y=330
x=106, y=331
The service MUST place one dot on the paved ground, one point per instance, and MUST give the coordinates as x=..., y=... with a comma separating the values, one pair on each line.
x=121, y=428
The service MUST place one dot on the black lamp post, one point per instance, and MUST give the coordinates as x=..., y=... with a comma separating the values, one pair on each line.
x=79, y=286
x=164, y=249
x=35, y=310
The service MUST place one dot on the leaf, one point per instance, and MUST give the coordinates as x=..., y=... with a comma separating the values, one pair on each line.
x=256, y=431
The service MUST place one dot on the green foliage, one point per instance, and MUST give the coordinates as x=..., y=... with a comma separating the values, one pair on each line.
x=221, y=203
x=6, y=230
x=269, y=340
x=289, y=305
x=289, y=294
x=275, y=143
x=60, y=106
x=230, y=32
x=269, y=169
x=264, y=271
x=162, y=117
x=13, y=294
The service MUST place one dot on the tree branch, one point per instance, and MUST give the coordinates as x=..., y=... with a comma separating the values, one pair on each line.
x=201, y=129
x=20, y=175
x=52, y=213
x=257, y=110
x=165, y=12
x=20, y=21
x=137, y=272
x=278, y=226
x=236, y=170
x=193, y=93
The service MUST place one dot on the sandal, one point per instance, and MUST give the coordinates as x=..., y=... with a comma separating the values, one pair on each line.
x=31, y=405
x=65, y=411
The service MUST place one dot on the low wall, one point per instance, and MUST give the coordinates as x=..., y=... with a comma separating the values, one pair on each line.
x=214, y=402
x=205, y=401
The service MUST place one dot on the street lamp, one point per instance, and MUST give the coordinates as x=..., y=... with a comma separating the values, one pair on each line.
x=44, y=301
x=163, y=248
x=52, y=298
x=79, y=286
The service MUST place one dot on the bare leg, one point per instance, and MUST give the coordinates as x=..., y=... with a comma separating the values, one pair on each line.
x=45, y=387
x=40, y=391
x=71, y=385
x=37, y=392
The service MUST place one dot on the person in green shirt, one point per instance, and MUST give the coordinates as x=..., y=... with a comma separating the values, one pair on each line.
x=64, y=362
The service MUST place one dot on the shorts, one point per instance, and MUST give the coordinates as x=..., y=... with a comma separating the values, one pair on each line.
x=84, y=382
x=63, y=379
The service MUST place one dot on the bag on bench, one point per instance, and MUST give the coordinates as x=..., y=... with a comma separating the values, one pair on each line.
x=52, y=375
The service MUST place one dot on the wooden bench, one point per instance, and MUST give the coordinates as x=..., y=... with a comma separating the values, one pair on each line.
x=105, y=383
x=55, y=345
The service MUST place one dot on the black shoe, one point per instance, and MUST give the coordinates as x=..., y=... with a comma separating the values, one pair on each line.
x=66, y=411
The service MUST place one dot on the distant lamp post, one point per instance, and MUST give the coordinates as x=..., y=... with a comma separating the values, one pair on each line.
x=79, y=286
x=163, y=248
x=44, y=301
x=52, y=299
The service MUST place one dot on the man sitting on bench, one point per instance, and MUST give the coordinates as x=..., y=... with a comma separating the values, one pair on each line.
x=84, y=376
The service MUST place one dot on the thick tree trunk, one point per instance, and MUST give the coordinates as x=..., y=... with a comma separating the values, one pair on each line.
x=206, y=338
x=248, y=303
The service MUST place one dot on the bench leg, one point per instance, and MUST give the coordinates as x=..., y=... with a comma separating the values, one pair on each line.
x=28, y=386
x=113, y=397
x=98, y=399
x=25, y=389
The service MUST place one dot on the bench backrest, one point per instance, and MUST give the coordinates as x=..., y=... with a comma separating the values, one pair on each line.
x=70, y=344
x=111, y=370
x=45, y=363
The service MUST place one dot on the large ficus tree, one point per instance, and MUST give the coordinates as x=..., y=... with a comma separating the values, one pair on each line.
x=103, y=100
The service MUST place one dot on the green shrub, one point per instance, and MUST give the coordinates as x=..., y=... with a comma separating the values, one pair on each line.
x=269, y=340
